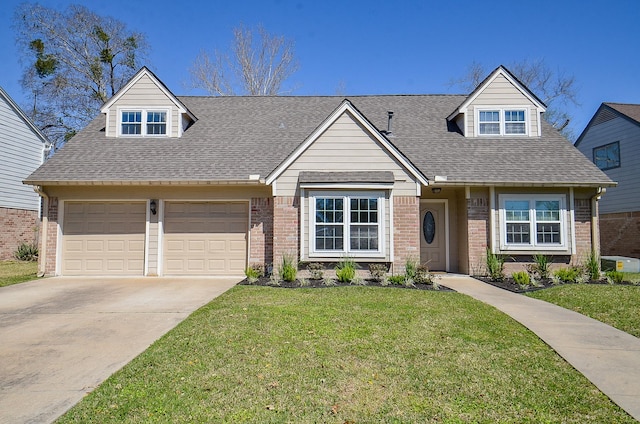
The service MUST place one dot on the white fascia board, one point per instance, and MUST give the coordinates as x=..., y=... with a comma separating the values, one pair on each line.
x=331, y=119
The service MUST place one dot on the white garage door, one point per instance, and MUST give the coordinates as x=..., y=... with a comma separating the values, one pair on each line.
x=205, y=238
x=103, y=238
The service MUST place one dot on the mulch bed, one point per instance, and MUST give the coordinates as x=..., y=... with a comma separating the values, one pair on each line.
x=315, y=284
x=510, y=284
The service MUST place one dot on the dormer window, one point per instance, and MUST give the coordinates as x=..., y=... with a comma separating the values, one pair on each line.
x=155, y=122
x=502, y=122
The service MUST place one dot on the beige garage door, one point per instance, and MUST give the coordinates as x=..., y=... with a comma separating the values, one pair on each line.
x=103, y=238
x=205, y=238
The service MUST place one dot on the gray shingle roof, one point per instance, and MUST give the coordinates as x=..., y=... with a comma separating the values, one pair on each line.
x=631, y=110
x=235, y=137
x=347, y=177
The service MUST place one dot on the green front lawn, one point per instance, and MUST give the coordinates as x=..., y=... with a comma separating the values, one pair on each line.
x=347, y=355
x=13, y=272
x=616, y=305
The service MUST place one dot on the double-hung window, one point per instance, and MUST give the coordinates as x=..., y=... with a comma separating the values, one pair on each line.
x=502, y=122
x=532, y=222
x=143, y=122
x=346, y=224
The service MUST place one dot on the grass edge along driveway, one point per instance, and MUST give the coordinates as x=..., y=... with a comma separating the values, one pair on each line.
x=349, y=354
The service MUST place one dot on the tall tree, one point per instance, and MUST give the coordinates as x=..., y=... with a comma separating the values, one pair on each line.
x=74, y=61
x=257, y=67
x=555, y=88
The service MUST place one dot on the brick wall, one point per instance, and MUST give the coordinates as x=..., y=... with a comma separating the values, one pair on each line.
x=477, y=232
x=582, y=215
x=17, y=226
x=286, y=227
x=406, y=230
x=52, y=237
x=620, y=234
x=261, y=231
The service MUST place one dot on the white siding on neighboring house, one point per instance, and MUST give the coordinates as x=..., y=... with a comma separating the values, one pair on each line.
x=626, y=196
x=21, y=152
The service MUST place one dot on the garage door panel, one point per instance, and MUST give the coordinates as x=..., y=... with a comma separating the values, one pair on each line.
x=205, y=238
x=103, y=238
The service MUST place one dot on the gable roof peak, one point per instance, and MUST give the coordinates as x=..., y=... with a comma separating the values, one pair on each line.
x=144, y=71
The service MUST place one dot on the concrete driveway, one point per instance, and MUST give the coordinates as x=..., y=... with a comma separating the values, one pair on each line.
x=61, y=337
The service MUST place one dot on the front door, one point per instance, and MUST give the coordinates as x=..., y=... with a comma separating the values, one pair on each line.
x=433, y=241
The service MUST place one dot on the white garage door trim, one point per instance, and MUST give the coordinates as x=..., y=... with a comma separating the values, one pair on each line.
x=120, y=265
x=207, y=269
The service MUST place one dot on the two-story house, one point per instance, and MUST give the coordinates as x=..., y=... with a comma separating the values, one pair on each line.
x=22, y=148
x=160, y=184
x=611, y=140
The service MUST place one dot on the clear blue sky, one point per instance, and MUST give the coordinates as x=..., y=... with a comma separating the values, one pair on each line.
x=382, y=47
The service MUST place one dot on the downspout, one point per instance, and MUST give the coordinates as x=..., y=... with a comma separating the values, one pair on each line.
x=42, y=257
x=595, y=232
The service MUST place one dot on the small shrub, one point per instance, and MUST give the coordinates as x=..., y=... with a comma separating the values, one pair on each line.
x=423, y=275
x=410, y=268
x=358, y=281
x=522, y=278
x=614, y=277
x=378, y=271
x=568, y=275
x=329, y=282
x=541, y=266
x=346, y=270
x=303, y=282
x=398, y=280
x=495, y=266
x=592, y=266
x=27, y=252
x=288, y=269
x=253, y=272
x=316, y=269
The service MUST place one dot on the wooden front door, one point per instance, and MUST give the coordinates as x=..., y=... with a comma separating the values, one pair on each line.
x=433, y=240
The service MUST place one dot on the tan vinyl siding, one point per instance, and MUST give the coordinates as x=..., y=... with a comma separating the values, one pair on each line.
x=345, y=146
x=143, y=94
x=501, y=93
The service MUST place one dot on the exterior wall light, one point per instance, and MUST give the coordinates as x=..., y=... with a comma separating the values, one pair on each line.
x=153, y=207
x=436, y=190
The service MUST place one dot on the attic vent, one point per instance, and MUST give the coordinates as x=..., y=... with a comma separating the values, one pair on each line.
x=604, y=116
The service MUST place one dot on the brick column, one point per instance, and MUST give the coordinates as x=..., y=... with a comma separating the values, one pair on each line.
x=582, y=215
x=261, y=231
x=52, y=237
x=406, y=230
x=477, y=232
x=286, y=227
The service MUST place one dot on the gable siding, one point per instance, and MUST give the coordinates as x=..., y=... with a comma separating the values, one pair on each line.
x=21, y=153
x=502, y=93
x=345, y=146
x=626, y=196
x=144, y=94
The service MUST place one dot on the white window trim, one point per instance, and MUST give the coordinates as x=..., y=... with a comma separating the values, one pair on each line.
x=501, y=110
x=143, y=129
x=534, y=246
x=347, y=195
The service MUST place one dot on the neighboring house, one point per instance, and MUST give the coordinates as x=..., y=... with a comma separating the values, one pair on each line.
x=22, y=148
x=166, y=185
x=612, y=140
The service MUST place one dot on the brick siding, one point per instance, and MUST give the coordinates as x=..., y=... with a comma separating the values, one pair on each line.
x=406, y=230
x=286, y=227
x=620, y=234
x=261, y=231
x=17, y=226
x=477, y=232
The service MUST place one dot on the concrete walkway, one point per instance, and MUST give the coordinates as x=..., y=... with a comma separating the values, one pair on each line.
x=61, y=337
x=608, y=357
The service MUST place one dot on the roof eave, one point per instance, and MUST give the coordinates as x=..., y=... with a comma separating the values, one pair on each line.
x=563, y=184
x=251, y=182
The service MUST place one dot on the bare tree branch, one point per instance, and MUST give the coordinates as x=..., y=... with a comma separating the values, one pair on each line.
x=255, y=67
